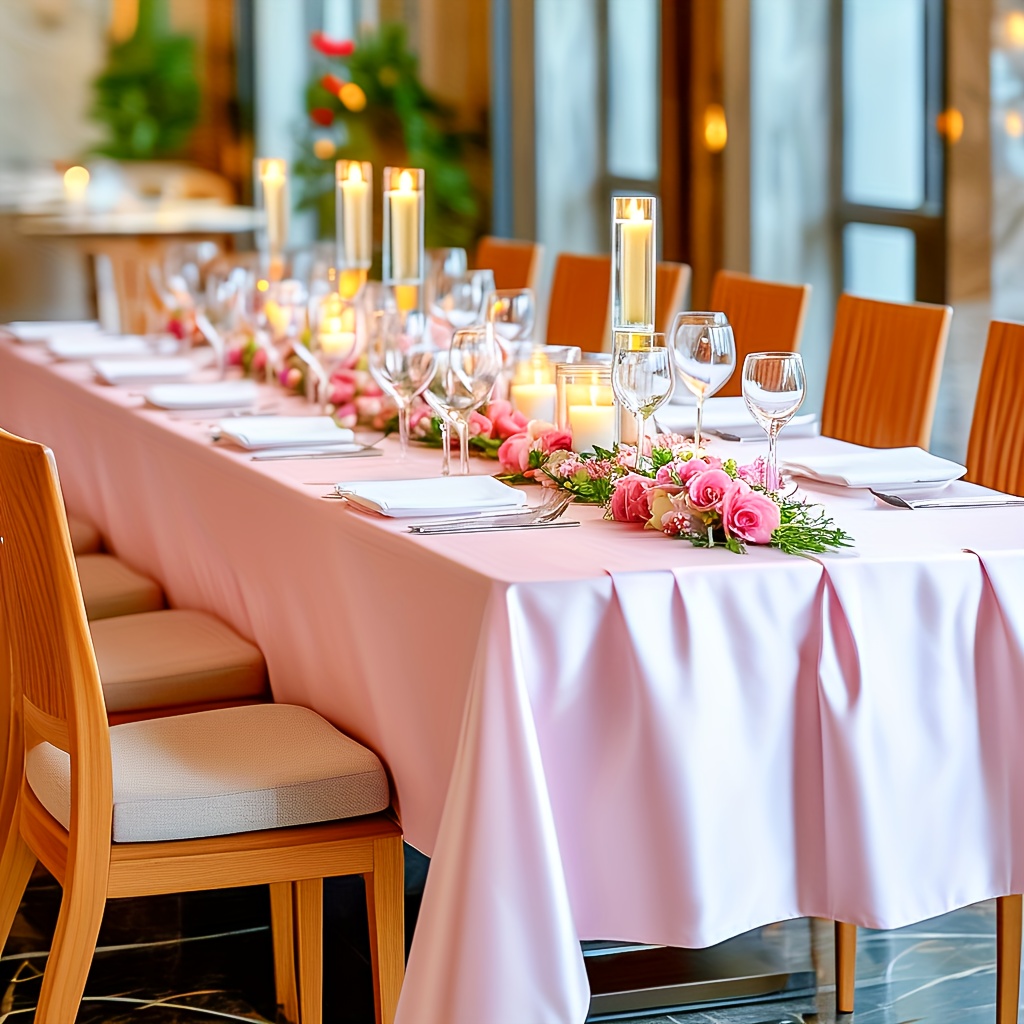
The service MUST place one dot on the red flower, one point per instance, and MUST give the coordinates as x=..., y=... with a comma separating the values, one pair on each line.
x=322, y=116
x=332, y=83
x=332, y=47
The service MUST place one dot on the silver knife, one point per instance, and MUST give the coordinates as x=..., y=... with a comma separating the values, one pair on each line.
x=980, y=501
x=313, y=453
x=433, y=531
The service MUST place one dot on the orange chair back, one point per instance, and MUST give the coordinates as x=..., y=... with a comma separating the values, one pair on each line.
x=883, y=373
x=995, y=453
x=765, y=317
x=672, y=282
x=515, y=264
x=578, y=309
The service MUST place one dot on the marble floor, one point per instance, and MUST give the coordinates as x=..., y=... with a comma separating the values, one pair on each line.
x=206, y=957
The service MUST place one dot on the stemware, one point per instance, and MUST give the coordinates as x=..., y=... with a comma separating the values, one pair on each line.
x=704, y=353
x=287, y=318
x=402, y=359
x=774, y=385
x=467, y=377
x=442, y=264
x=511, y=312
x=460, y=300
x=641, y=378
x=333, y=340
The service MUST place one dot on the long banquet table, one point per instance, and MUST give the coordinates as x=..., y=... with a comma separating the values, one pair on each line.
x=598, y=733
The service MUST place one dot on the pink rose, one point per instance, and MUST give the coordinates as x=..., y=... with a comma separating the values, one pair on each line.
x=479, y=425
x=497, y=408
x=555, y=440
x=419, y=420
x=630, y=499
x=507, y=423
x=514, y=454
x=342, y=391
x=259, y=359
x=368, y=407
x=747, y=515
x=706, y=490
x=346, y=415
x=234, y=355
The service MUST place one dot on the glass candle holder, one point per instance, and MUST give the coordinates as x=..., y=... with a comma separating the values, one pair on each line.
x=532, y=385
x=270, y=195
x=585, y=405
x=633, y=262
x=353, y=194
x=403, y=226
x=333, y=334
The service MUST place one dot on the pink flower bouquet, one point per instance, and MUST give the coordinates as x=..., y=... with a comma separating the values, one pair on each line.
x=490, y=429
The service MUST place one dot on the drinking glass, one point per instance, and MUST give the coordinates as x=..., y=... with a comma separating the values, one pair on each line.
x=460, y=301
x=511, y=311
x=333, y=342
x=704, y=353
x=441, y=264
x=641, y=378
x=403, y=360
x=474, y=362
x=774, y=386
x=287, y=319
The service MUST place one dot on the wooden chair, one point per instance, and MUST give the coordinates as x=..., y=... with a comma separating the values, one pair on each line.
x=515, y=264
x=79, y=811
x=672, y=284
x=995, y=453
x=883, y=373
x=765, y=317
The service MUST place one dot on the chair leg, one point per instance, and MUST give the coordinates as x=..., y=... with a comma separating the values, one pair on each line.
x=846, y=965
x=309, y=944
x=385, y=905
x=282, y=929
x=1008, y=938
x=16, y=866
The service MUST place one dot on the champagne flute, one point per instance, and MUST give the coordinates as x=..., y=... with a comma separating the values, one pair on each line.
x=774, y=385
x=704, y=353
x=641, y=378
x=474, y=362
x=403, y=360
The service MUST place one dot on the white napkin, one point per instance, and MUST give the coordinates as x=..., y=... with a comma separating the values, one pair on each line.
x=285, y=432
x=220, y=394
x=451, y=495
x=732, y=416
x=31, y=332
x=97, y=346
x=143, y=371
x=880, y=468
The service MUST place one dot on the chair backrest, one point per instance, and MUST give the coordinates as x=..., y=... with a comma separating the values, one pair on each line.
x=672, y=283
x=765, y=316
x=995, y=452
x=55, y=684
x=883, y=373
x=578, y=312
x=515, y=264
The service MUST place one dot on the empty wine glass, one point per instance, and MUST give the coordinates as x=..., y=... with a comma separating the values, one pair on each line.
x=704, y=352
x=641, y=378
x=436, y=397
x=473, y=365
x=460, y=301
x=441, y=264
x=403, y=360
x=774, y=386
x=333, y=342
x=511, y=311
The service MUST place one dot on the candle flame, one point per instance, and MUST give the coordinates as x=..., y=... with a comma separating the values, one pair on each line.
x=272, y=171
x=634, y=211
x=405, y=182
x=595, y=393
x=355, y=172
x=76, y=178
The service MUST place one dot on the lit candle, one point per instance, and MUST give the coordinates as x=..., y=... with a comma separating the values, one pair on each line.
x=336, y=335
x=76, y=184
x=593, y=425
x=356, y=222
x=274, y=180
x=533, y=392
x=405, y=230
x=636, y=240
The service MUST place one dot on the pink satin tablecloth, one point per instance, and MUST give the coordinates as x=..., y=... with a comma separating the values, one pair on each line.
x=598, y=733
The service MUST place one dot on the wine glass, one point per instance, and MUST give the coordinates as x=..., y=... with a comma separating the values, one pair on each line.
x=474, y=362
x=402, y=359
x=704, y=353
x=459, y=301
x=287, y=319
x=641, y=378
x=511, y=312
x=441, y=264
x=333, y=341
x=774, y=385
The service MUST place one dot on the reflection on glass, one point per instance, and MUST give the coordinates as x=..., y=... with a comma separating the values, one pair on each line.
x=884, y=102
x=879, y=262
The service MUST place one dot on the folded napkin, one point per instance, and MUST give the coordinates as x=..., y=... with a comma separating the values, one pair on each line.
x=732, y=416
x=97, y=346
x=880, y=468
x=220, y=394
x=447, y=495
x=32, y=332
x=255, y=432
x=143, y=371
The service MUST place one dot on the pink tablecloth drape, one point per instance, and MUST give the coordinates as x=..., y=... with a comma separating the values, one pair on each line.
x=599, y=733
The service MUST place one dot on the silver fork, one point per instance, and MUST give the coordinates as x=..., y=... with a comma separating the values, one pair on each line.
x=550, y=509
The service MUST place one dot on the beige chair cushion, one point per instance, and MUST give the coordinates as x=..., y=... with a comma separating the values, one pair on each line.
x=214, y=773
x=110, y=588
x=160, y=659
x=85, y=538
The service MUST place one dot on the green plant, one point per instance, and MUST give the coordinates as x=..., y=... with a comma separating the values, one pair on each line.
x=147, y=97
x=377, y=109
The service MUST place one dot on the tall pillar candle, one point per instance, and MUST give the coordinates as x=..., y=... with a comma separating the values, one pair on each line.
x=272, y=198
x=403, y=225
x=633, y=249
x=354, y=214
